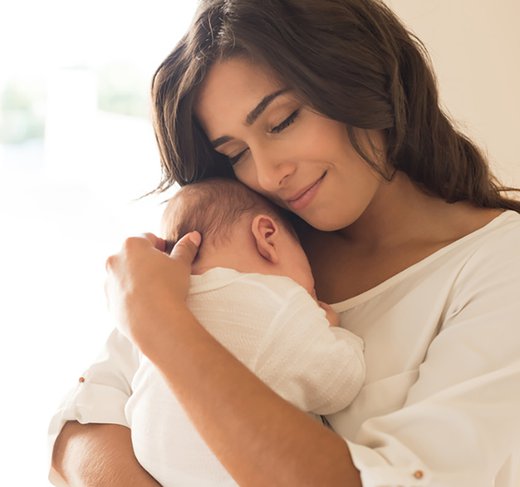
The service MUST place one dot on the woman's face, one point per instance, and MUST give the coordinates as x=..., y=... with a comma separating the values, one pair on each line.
x=279, y=147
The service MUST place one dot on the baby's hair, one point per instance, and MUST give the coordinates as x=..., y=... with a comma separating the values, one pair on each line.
x=212, y=207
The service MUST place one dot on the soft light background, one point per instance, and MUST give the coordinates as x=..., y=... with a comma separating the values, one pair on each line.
x=77, y=149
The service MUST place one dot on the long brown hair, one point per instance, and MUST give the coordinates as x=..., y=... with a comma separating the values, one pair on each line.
x=351, y=60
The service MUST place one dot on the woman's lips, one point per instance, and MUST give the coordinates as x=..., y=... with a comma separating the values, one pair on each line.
x=305, y=197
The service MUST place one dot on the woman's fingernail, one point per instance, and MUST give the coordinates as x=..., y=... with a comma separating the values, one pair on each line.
x=195, y=238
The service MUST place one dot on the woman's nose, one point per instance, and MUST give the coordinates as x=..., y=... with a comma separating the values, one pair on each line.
x=272, y=171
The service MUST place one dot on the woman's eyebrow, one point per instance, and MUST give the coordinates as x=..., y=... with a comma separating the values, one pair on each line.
x=252, y=115
x=264, y=103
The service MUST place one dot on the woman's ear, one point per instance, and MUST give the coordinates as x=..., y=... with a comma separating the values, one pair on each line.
x=266, y=232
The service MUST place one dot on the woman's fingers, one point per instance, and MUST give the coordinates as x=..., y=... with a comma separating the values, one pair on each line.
x=187, y=247
x=157, y=242
x=132, y=243
x=141, y=278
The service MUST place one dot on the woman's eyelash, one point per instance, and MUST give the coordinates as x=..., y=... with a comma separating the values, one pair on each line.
x=275, y=130
x=233, y=160
x=290, y=119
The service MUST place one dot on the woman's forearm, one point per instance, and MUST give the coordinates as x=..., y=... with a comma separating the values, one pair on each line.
x=98, y=455
x=259, y=437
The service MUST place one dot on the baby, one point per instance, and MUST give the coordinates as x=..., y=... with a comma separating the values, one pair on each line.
x=253, y=290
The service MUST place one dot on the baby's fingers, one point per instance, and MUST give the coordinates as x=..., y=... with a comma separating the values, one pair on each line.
x=331, y=315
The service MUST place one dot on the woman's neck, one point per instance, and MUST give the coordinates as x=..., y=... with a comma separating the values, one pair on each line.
x=401, y=213
x=402, y=226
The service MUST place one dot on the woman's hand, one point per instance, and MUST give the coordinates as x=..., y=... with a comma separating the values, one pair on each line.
x=142, y=280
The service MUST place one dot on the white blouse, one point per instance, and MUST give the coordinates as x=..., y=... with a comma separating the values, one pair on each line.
x=440, y=406
x=441, y=402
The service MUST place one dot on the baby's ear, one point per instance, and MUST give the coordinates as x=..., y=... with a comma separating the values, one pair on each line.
x=265, y=233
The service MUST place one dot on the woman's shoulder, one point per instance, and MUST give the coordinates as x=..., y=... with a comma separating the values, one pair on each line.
x=501, y=233
x=492, y=254
x=495, y=246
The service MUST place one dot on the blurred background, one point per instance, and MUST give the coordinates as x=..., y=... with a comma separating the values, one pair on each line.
x=77, y=151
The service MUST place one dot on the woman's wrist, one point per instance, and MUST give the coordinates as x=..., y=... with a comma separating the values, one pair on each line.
x=170, y=327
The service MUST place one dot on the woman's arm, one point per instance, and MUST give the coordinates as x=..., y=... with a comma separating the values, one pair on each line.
x=98, y=455
x=99, y=396
x=257, y=436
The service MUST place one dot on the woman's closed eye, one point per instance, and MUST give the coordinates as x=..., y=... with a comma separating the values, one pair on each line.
x=233, y=160
x=275, y=130
x=284, y=124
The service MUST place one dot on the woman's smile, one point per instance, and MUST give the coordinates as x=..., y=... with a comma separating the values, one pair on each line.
x=304, y=197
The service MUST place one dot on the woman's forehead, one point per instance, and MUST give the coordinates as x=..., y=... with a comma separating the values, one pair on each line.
x=233, y=86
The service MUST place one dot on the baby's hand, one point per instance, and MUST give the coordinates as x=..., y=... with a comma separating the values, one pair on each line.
x=331, y=315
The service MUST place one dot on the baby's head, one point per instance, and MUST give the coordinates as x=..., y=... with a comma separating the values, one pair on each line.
x=240, y=229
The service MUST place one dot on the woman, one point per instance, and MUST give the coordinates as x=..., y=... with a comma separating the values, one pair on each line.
x=329, y=108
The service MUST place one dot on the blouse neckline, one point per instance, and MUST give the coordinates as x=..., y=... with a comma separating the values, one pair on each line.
x=391, y=281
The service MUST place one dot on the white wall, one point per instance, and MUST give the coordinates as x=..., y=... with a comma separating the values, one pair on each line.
x=475, y=48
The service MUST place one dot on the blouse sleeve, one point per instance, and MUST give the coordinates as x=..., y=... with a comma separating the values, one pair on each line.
x=316, y=367
x=101, y=393
x=460, y=423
